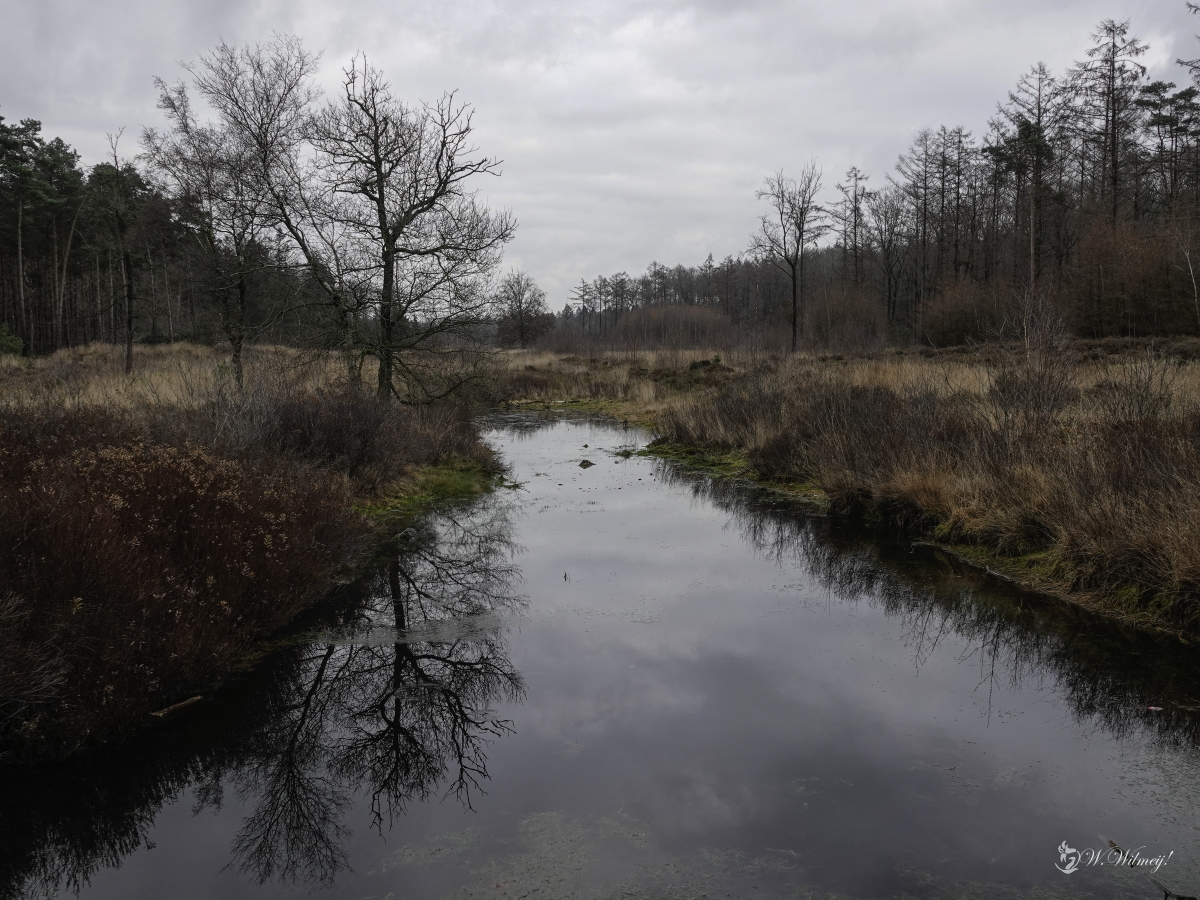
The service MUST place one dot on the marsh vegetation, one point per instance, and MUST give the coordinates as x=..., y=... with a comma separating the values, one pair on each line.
x=156, y=527
x=1071, y=466
x=829, y=681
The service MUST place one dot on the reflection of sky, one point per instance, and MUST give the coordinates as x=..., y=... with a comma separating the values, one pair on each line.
x=685, y=695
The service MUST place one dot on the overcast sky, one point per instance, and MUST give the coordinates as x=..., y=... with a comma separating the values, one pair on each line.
x=631, y=130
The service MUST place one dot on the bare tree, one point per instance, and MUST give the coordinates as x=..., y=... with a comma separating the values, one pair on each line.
x=264, y=94
x=850, y=215
x=886, y=227
x=372, y=193
x=211, y=170
x=794, y=222
x=1107, y=84
x=400, y=172
x=523, y=312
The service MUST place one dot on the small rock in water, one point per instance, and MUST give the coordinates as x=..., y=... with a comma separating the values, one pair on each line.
x=586, y=463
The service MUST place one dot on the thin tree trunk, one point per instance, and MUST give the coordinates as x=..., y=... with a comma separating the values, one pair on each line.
x=127, y=265
x=62, y=283
x=26, y=325
x=236, y=331
x=57, y=326
x=112, y=302
x=99, y=309
x=153, y=297
x=794, y=309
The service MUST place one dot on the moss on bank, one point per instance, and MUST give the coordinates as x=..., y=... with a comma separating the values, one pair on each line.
x=429, y=486
x=733, y=464
x=627, y=411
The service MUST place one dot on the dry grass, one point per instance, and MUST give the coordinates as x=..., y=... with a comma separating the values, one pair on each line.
x=643, y=382
x=179, y=374
x=1083, y=475
x=155, y=526
x=1072, y=466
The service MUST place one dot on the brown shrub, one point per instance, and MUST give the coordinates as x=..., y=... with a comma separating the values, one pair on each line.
x=1097, y=469
x=371, y=441
x=139, y=569
x=155, y=527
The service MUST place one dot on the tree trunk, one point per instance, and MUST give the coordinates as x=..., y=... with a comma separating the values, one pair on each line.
x=127, y=265
x=26, y=325
x=386, y=325
x=153, y=298
x=99, y=329
x=795, y=309
x=235, y=330
x=58, y=325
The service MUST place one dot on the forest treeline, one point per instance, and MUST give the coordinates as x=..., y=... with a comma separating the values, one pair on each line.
x=1082, y=198
x=349, y=224
x=352, y=224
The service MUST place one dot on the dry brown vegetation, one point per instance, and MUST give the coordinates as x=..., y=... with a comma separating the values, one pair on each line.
x=642, y=382
x=1073, y=466
x=154, y=527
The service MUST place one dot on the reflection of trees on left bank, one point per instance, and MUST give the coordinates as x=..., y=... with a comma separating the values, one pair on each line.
x=390, y=701
x=397, y=702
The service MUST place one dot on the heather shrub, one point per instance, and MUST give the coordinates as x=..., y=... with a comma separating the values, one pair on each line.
x=371, y=441
x=137, y=570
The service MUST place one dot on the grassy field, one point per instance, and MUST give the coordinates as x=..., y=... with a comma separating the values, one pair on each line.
x=1073, y=468
x=156, y=526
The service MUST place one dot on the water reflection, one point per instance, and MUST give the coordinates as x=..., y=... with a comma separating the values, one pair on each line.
x=393, y=699
x=1128, y=683
x=389, y=699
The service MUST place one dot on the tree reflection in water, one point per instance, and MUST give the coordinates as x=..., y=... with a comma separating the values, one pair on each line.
x=395, y=700
x=1105, y=674
x=397, y=703
x=390, y=700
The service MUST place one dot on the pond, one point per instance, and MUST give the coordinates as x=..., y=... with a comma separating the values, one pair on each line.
x=625, y=680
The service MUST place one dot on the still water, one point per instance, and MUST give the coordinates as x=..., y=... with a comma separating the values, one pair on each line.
x=622, y=680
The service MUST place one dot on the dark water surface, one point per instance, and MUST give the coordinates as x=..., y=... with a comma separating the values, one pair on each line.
x=624, y=681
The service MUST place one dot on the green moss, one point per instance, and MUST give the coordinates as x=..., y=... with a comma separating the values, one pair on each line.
x=618, y=409
x=1127, y=596
x=432, y=485
x=726, y=463
x=732, y=464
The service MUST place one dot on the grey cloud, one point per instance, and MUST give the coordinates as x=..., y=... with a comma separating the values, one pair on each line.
x=630, y=130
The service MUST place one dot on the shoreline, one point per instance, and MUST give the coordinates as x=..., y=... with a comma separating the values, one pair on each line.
x=420, y=492
x=1030, y=572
